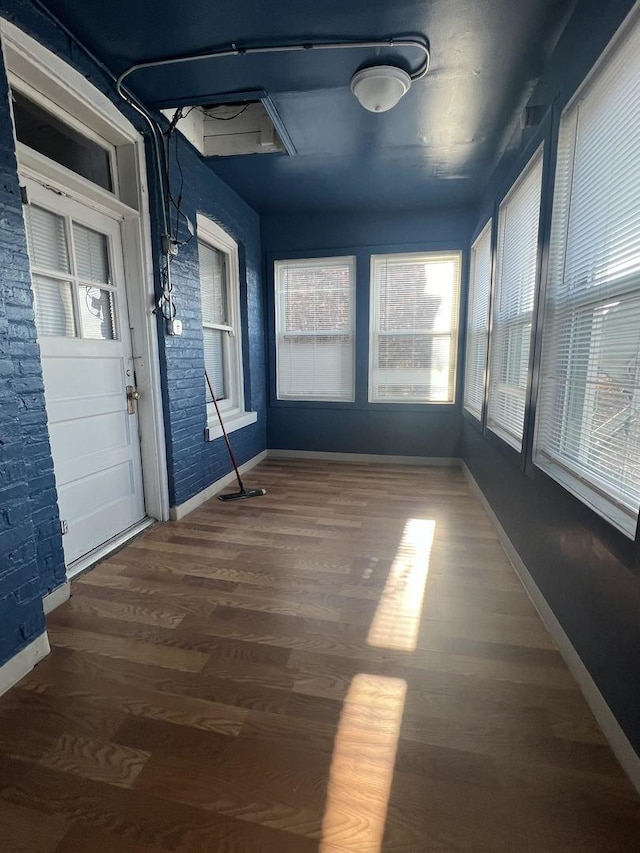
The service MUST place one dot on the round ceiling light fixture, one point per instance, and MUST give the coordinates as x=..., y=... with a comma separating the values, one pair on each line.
x=380, y=87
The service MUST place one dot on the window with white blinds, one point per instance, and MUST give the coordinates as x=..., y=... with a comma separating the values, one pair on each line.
x=74, y=294
x=588, y=429
x=513, y=302
x=216, y=324
x=478, y=322
x=315, y=329
x=414, y=327
x=221, y=329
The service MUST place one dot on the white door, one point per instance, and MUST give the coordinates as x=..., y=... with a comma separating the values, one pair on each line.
x=85, y=341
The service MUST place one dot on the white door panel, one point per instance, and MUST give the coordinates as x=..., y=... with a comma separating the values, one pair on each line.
x=93, y=373
x=89, y=465
x=67, y=410
x=115, y=486
x=69, y=443
x=98, y=519
x=83, y=331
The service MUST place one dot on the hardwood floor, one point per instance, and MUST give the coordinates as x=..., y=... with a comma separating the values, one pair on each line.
x=346, y=665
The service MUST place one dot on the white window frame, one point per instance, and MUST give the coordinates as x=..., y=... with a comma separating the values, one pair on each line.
x=35, y=96
x=453, y=333
x=513, y=322
x=232, y=408
x=474, y=332
x=279, y=323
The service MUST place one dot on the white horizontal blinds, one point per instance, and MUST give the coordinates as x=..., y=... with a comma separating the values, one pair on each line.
x=67, y=303
x=588, y=431
x=214, y=362
x=53, y=303
x=215, y=320
x=92, y=254
x=53, y=293
x=97, y=313
x=414, y=326
x=96, y=304
x=47, y=240
x=516, y=274
x=478, y=322
x=213, y=289
x=315, y=329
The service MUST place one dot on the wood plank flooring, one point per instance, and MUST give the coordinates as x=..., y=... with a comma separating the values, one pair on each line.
x=345, y=665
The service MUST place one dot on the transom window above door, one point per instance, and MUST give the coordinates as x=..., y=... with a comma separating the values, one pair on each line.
x=47, y=134
x=74, y=291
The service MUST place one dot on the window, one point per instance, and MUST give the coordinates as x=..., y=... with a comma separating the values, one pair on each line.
x=74, y=292
x=46, y=134
x=221, y=331
x=315, y=329
x=588, y=430
x=478, y=322
x=516, y=274
x=414, y=328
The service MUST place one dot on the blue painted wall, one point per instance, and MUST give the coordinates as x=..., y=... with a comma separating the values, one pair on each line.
x=195, y=463
x=30, y=545
x=361, y=427
x=31, y=558
x=588, y=572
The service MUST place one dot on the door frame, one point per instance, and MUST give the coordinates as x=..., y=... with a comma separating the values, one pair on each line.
x=46, y=78
x=74, y=349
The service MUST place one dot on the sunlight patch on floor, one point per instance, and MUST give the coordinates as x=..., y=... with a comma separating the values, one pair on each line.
x=362, y=765
x=396, y=621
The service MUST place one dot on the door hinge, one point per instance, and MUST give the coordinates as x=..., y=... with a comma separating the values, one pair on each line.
x=64, y=527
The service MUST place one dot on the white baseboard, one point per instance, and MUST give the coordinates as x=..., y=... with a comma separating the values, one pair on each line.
x=624, y=752
x=178, y=512
x=15, y=669
x=374, y=458
x=56, y=597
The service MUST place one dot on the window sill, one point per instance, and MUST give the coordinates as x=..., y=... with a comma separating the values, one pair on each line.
x=406, y=401
x=624, y=519
x=507, y=437
x=238, y=421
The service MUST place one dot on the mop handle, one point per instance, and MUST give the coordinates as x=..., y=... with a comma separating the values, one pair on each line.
x=224, y=432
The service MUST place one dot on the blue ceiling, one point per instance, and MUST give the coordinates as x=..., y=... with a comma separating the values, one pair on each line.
x=435, y=149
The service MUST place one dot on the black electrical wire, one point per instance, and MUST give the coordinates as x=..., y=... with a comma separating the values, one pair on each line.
x=170, y=133
x=166, y=304
x=225, y=118
x=177, y=204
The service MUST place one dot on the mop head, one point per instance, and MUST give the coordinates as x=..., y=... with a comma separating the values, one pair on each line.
x=244, y=493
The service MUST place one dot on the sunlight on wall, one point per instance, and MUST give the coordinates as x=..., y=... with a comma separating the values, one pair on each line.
x=396, y=622
x=364, y=755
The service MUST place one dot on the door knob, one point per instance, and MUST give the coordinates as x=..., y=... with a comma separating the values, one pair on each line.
x=132, y=396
